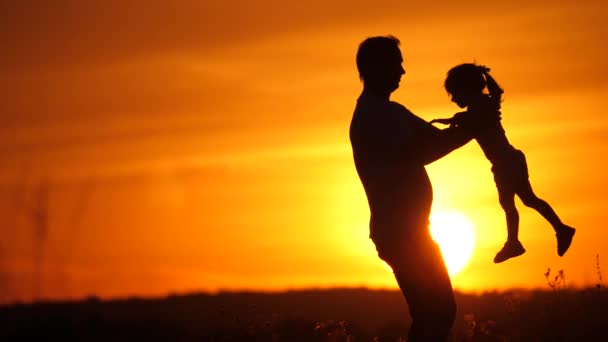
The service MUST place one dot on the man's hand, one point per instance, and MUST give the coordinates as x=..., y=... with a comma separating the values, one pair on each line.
x=457, y=120
x=447, y=121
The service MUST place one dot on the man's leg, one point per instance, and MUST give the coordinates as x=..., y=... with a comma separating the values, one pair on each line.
x=427, y=289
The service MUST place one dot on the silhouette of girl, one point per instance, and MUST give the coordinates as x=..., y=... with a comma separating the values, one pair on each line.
x=466, y=83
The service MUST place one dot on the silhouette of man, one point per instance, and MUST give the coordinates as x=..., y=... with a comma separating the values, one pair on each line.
x=391, y=147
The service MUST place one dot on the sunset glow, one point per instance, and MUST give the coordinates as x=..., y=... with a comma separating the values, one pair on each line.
x=454, y=234
x=154, y=147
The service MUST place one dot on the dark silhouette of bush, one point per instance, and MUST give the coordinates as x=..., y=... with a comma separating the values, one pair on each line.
x=564, y=315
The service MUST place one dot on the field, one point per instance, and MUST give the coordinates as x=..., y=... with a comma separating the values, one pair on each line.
x=309, y=315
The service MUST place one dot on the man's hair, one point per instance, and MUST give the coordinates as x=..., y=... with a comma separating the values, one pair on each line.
x=373, y=52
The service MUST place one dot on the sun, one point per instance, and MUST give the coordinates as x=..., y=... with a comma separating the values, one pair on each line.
x=454, y=234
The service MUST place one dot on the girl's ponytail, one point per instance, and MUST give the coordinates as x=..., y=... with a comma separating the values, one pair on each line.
x=493, y=87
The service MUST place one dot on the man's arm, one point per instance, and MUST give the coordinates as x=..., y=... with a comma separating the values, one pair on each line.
x=436, y=143
x=455, y=120
x=409, y=140
x=447, y=121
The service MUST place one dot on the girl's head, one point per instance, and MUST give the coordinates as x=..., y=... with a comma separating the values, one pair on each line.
x=465, y=82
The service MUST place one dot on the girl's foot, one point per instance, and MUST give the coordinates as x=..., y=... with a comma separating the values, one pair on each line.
x=509, y=250
x=564, y=238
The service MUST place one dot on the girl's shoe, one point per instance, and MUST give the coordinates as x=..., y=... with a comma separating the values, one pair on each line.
x=509, y=250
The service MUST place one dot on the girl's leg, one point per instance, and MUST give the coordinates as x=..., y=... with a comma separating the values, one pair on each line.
x=507, y=202
x=563, y=233
x=512, y=247
x=530, y=199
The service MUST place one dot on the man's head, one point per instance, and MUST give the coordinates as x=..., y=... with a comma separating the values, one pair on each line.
x=379, y=63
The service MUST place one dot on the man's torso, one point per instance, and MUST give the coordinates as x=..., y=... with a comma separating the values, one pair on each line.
x=383, y=136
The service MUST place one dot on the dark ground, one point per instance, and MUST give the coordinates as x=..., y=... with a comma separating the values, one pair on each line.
x=311, y=315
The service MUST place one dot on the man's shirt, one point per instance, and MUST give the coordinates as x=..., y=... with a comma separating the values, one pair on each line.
x=388, y=143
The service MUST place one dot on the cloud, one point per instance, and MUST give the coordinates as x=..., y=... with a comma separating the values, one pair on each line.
x=113, y=73
x=38, y=33
x=72, y=32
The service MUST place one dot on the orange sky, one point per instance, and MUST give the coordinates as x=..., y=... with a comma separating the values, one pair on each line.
x=203, y=146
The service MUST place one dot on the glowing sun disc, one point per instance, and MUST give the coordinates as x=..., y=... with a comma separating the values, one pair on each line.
x=454, y=234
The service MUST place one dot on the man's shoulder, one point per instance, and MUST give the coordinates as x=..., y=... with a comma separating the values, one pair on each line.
x=371, y=101
x=385, y=111
x=398, y=107
x=370, y=107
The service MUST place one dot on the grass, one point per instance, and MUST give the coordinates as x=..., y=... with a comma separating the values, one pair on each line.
x=554, y=314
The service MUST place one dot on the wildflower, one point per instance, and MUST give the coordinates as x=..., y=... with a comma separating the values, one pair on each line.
x=469, y=324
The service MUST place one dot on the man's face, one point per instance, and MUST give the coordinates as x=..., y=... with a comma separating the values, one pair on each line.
x=394, y=70
x=388, y=75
